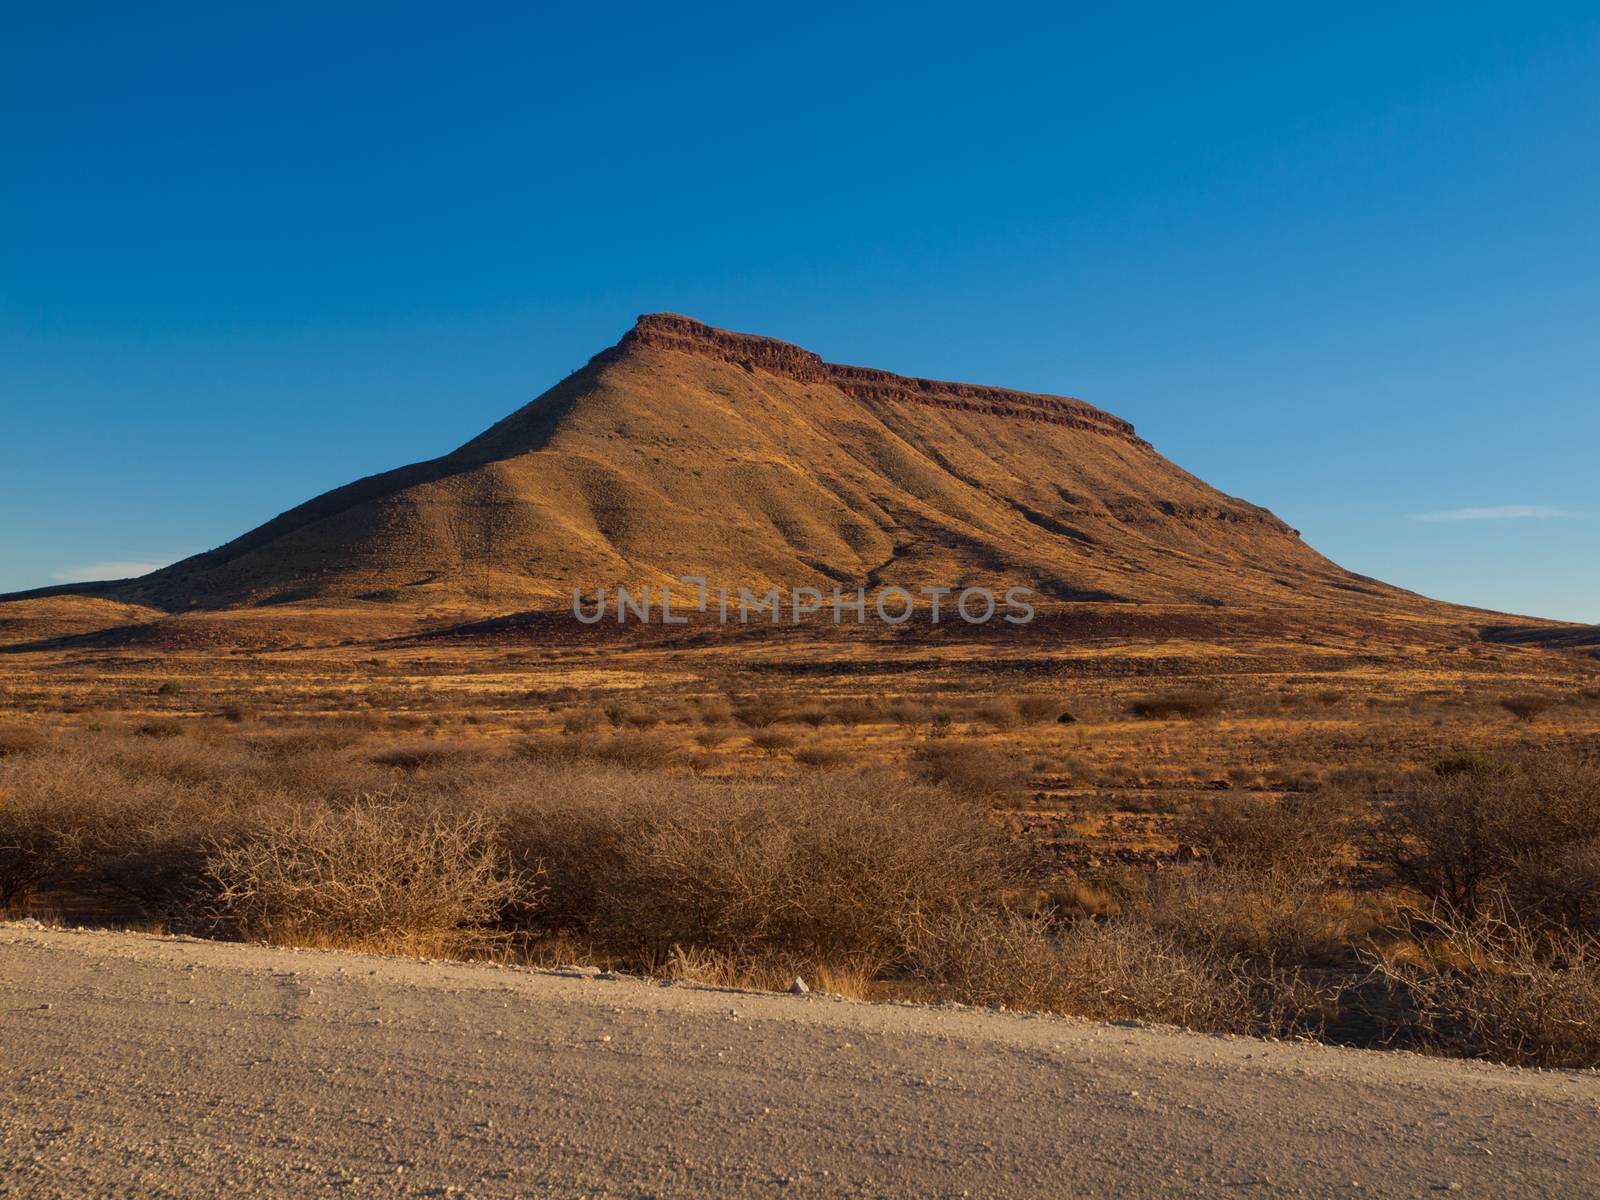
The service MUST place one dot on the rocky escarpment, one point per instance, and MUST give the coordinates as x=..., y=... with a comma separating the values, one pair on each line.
x=669, y=331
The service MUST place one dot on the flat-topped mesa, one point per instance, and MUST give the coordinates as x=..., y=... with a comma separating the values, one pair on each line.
x=669, y=331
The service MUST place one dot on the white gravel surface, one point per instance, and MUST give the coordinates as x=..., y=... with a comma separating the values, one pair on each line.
x=135, y=1065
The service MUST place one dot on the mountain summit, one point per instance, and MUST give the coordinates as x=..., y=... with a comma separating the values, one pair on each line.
x=689, y=450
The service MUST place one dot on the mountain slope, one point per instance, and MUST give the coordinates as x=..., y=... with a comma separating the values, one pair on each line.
x=690, y=450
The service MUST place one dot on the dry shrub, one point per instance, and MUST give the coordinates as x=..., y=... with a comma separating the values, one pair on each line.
x=1112, y=971
x=378, y=874
x=762, y=712
x=79, y=815
x=1454, y=834
x=1071, y=898
x=1299, y=834
x=582, y=720
x=710, y=739
x=772, y=740
x=1186, y=706
x=765, y=970
x=418, y=756
x=639, y=751
x=822, y=758
x=1471, y=762
x=553, y=751
x=1002, y=714
x=970, y=768
x=159, y=728
x=1276, y=918
x=1036, y=710
x=329, y=734
x=1365, y=780
x=909, y=712
x=854, y=712
x=813, y=715
x=21, y=739
x=715, y=712
x=1527, y=708
x=1563, y=886
x=825, y=867
x=1495, y=989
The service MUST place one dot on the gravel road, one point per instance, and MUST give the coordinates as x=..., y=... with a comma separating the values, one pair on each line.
x=136, y=1065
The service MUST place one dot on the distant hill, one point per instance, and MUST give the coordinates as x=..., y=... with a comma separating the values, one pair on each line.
x=689, y=450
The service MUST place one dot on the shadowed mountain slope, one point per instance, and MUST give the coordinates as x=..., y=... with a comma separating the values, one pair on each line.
x=688, y=450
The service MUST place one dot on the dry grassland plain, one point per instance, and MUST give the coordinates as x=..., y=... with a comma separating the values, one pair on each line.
x=1120, y=814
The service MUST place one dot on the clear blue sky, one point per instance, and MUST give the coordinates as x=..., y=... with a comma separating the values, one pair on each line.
x=1344, y=263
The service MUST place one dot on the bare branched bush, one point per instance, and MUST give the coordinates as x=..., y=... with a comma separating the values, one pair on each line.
x=854, y=712
x=1471, y=762
x=1297, y=835
x=1275, y=917
x=715, y=712
x=762, y=712
x=1453, y=835
x=772, y=740
x=826, y=866
x=87, y=815
x=971, y=768
x=378, y=874
x=639, y=751
x=1563, y=887
x=160, y=727
x=416, y=756
x=1113, y=971
x=909, y=712
x=1495, y=988
x=1528, y=708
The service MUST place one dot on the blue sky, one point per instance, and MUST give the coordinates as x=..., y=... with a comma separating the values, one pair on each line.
x=1342, y=263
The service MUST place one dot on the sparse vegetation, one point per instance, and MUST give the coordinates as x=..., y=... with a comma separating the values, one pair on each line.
x=1238, y=874
x=1186, y=706
x=20, y=739
x=772, y=740
x=1528, y=708
x=1035, y=710
x=1471, y=825
x=826, y=758
x=968, y=767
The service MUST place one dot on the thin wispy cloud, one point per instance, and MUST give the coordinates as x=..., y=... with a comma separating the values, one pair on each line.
x=1503, y=512
x=93, y=572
